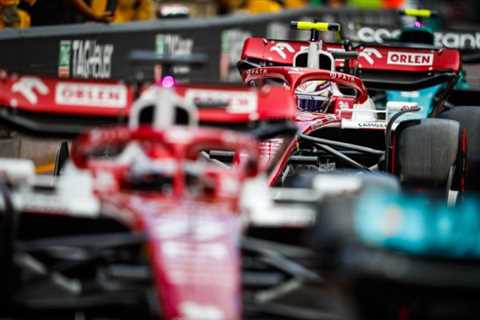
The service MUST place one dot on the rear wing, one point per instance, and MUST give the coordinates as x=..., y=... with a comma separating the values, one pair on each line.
x=379, y=66
x=43, y=106
x=48, y=106
x=395, y=67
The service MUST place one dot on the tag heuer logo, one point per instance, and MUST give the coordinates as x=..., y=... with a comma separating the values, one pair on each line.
x=85, y=59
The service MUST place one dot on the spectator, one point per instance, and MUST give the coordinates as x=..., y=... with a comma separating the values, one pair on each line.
x=54, y=12
x=11, y=16
x=262, y=6
x=93, y=12
x=126, y=10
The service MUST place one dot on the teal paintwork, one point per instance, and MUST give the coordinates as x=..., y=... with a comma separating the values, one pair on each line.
x=417, y=225
x=423, y=98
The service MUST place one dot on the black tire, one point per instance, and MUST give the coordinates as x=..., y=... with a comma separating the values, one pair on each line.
x=428, y=152
x=469, y=119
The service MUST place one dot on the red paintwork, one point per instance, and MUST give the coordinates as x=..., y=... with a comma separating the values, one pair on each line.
x=371, y=58
x=76, y=97
x=193, y=250
x=110, y=99
x=193, y=230
x=176, y=143
x=306, y=121
x=443, y=60
x=270, y=103
x=256, y=48
x=192, y=238
x=265, y=98
x=293, y=77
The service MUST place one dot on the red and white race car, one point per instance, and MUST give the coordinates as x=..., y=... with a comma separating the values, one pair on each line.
x=143, y=222
x=340, y=125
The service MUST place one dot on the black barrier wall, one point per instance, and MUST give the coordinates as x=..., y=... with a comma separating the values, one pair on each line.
x=98, y=51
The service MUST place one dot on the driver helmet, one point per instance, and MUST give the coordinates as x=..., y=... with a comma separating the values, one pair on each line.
x=314, y=96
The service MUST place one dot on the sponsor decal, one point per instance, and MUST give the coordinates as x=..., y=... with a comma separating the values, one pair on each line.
x=256, y=71
x=172, y=45
x=369, y=53
x=64, y=58
x=394, y=107
x=85, y=59
x=29, y=88
x=372, y=125
x=232, y=47
x=91, y=60
x=236, y=102
x=410, y=59
x=467, y=40
x=92, y=95
x=458, y=40
x=342, y=76
x=280, y=48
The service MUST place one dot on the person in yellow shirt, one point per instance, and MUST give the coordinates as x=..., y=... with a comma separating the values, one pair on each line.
x=127, y=10
x=262, y=6
x=13, y=17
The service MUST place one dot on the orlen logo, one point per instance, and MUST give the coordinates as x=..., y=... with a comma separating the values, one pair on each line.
x=91, y=95
x=410, y=59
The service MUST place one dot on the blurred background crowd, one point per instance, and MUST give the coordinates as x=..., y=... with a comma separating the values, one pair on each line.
x=26, y=13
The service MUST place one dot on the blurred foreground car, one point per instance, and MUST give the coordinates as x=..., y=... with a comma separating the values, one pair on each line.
x=400, y=256
x=143, y=223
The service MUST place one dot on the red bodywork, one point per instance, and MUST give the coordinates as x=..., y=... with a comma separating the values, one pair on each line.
x=279, y=55
x=371, y=57
x=193, y=227
x=114, y=99
x=193, y=235
x=308, y=121
x=109, y=99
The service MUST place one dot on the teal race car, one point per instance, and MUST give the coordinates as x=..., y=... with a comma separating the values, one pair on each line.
x=393, y=255
x=456, y=101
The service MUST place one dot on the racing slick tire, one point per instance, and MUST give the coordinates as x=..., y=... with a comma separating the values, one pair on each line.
x=428, y=154
x=469, y=119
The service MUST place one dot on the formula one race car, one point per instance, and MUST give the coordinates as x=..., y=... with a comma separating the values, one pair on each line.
x=400, y=256
x=462, y=100
x=340, y=124
x=142, y=223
